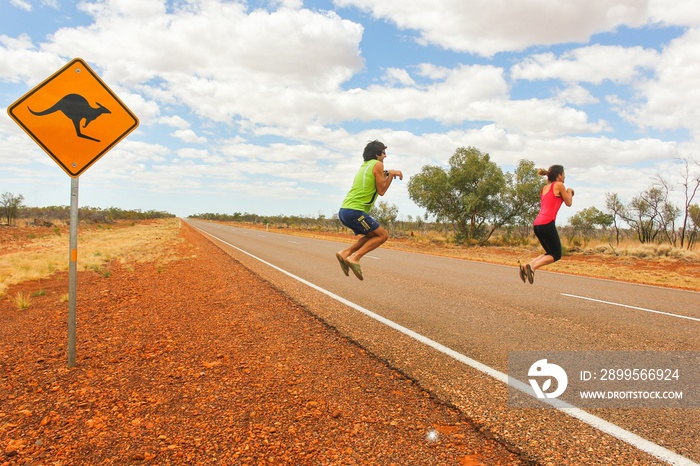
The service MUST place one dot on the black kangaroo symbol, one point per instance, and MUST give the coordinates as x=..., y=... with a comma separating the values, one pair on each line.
x=76, y=108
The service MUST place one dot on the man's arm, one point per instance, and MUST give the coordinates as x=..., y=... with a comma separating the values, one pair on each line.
x=383, y=179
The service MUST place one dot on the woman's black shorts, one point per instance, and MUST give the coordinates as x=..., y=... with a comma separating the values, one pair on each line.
x=549, y=239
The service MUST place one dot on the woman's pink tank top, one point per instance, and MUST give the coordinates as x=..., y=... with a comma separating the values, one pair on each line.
x=549, y=207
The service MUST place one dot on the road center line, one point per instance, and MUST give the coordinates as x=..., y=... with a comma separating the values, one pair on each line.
x=594, y=421
x=631, y=307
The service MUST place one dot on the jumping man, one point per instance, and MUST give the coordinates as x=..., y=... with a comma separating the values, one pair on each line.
x=369, y=181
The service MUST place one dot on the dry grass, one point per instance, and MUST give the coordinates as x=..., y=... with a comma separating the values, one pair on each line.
x=22, y=301
x=42, y=256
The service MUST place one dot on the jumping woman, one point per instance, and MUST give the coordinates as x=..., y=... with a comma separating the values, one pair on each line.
x=552, y=195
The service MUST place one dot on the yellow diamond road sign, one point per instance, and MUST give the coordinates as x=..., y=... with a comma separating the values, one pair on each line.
x=74, y=117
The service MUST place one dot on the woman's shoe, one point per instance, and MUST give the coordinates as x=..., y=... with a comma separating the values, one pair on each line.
x=523, y=274
x=530, y=274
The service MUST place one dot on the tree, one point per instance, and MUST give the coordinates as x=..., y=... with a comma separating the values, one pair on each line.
x=384, y=213
x=617, y=210
x=467, y=194
x=520, y=197
x=10, y=204
x=431, y=190
x=641, y=215
x=585, y=221
x=668, y=213
x=694, y=226
x=649, y=214
x=691, y=184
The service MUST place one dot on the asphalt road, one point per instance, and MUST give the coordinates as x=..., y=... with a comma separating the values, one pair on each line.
x=483, y=312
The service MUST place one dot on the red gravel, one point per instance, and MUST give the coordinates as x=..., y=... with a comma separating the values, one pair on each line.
x=202, y=362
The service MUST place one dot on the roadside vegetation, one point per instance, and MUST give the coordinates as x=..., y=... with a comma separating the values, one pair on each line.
x=44, y=251
x=12, y=209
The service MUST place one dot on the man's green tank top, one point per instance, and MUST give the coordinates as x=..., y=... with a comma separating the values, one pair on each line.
x=364, y=189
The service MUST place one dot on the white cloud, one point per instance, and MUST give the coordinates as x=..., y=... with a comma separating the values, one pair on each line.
x=22, y=4
x=672, y=99
x=576, y=95
x=216, y=41
x=486, y=27
x=398, y=76
x=593, y=64
x=190, y=153
x=175, y=121
x=290, y=4
x=434, y=72
x=21, y=61
x=675, y=12
x=187, y=135
x=464, y=93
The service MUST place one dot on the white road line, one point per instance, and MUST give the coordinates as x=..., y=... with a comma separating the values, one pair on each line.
x=631, y=307
x=294, y=242
x=601, y=424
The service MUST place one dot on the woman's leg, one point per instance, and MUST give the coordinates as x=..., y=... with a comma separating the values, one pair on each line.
x=541, y=261
x=549, y=239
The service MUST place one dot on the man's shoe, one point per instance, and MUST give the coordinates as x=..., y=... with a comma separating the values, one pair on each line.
x=343, y=265
x=356, y=269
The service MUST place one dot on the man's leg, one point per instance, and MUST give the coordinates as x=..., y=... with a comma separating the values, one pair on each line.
x=345, y=253
x=367, y=243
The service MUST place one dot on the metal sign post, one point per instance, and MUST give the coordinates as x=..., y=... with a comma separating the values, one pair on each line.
x=73, y=271
x=56, y=115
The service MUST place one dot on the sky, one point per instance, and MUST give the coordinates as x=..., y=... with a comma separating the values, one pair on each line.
x=265, y=106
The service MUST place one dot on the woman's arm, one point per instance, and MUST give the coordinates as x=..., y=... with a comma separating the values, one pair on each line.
x=567, y=194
